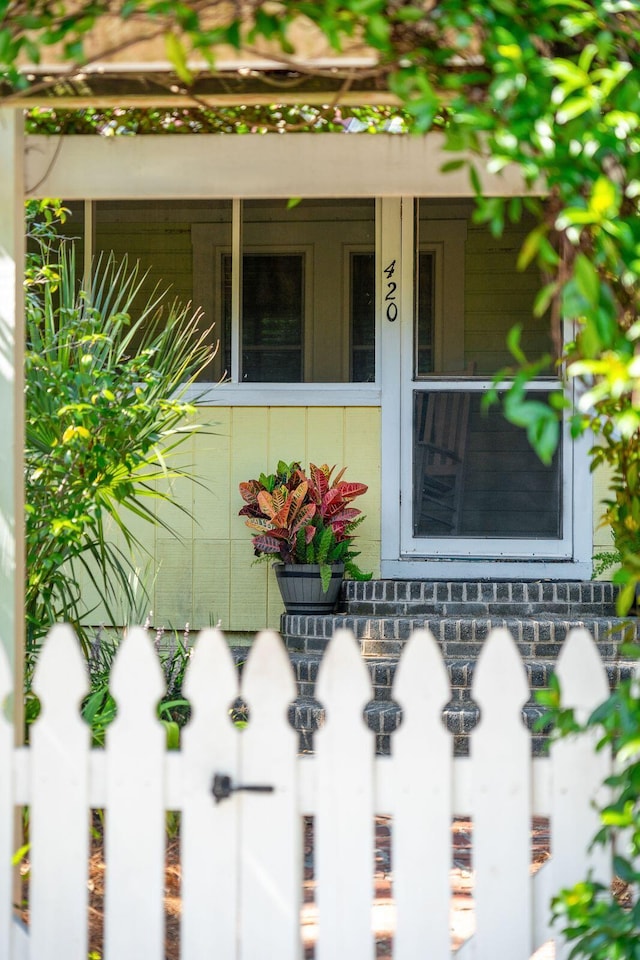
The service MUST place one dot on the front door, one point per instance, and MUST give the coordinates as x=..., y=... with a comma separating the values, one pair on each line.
x=474, y=499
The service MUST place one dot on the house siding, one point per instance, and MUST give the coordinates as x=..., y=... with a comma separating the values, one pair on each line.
x=209, y=576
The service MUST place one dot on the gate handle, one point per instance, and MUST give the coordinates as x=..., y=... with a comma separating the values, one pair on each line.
x=222, y=787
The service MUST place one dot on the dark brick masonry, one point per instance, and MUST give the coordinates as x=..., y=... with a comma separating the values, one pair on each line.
x=382, y=614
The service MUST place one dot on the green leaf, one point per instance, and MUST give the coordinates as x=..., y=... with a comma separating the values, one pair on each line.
x=177, y=56
x=173, y=734
x=377, y=30
x=604, y=198
x=531, y=246
x=20, y=854
x=452, y=165
x=513, y=343
x=475, y=180
x=543, y=298
x=587, y=279
x=571, y=109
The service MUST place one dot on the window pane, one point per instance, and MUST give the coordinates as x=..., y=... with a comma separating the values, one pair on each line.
x=298, y=292
x=425, y=309
x=166, y=238
x=483, y=294
x=475, y=475
x=272, y=317
x=363, y=317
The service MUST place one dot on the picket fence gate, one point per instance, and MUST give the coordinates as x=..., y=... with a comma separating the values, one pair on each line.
x=241, y=858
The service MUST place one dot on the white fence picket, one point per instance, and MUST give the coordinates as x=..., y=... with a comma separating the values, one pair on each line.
x=6, y=808
x=501, y=774
x=578, y=772
x=209, y=830
x=135, y=828
x=271, y=829
x=344, y=821
x=421, y=830
x=59, y=809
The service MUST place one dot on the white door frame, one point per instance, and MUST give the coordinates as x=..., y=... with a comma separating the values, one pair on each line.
x=401, y=556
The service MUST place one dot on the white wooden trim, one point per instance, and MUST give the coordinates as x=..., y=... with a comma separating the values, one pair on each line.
x=291, y=165
x=12, y=246
x=444, y=568
x=285, y=394
x=394, y=223
x=236, y=288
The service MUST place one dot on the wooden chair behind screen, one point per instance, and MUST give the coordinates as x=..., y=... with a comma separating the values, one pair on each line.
x=440, y=429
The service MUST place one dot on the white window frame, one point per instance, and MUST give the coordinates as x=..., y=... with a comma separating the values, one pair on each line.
x=235, y=393
x=451, y=560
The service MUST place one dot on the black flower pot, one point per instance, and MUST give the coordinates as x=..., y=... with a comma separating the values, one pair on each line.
x=301, y=587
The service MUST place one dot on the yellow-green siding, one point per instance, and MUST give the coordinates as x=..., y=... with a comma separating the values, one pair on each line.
x=209, y=576
x=602, y=538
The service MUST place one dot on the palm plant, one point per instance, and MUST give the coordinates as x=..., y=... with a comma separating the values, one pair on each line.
x=105, y=409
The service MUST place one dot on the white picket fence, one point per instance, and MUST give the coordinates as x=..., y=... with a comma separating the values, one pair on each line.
x=241, y=858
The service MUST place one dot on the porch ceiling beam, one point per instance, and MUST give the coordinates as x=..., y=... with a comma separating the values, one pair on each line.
x=214, y=165
x=168, y=100
x=161, y=88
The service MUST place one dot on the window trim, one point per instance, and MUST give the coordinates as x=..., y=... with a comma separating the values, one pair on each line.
x=285, y=394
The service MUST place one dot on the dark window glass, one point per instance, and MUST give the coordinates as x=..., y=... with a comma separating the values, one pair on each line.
x=363, y=317
x=425, y=294
x=475, y=475
x=272, y=317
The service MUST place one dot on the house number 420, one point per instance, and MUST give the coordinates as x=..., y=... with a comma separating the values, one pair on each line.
x=390, y=297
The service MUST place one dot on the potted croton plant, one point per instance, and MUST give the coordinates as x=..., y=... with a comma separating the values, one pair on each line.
x=305, y=523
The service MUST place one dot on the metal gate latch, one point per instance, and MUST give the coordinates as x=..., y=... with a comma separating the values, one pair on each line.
x=222, y=787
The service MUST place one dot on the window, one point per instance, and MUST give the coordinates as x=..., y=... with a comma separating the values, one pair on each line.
x=289, y=293
x=304, y=309
x=272, y=317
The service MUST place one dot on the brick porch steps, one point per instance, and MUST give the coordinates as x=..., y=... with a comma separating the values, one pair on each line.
x=479, y=597
x=382, y=615
x=460, y=715
x=458, y=636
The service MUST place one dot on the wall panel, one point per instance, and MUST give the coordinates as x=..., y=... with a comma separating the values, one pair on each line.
x=213, y=577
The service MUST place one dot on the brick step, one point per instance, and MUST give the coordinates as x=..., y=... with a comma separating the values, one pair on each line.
x=461, y=672
x=383, y=717
x=537, y=637
x=482, y=598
